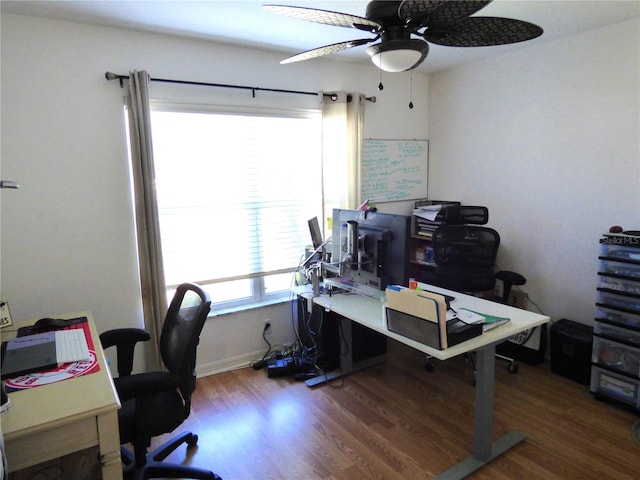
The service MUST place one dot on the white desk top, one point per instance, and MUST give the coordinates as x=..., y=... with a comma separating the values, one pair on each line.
x=48, y=406
x=368, y=311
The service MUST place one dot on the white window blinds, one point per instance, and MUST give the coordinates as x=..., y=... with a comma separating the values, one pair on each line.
x=235, y=190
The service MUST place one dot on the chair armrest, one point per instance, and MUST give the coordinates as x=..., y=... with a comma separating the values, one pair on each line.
x=149, y=383
x=125, y=340
x=513, y=278
x=509, y=279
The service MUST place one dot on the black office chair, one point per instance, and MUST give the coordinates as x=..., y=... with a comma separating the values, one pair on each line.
x=156, y=403
x=465, y=257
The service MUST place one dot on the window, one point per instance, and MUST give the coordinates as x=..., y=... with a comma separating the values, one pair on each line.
x=235, y=190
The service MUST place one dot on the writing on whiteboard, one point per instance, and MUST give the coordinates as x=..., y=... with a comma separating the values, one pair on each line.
x=394, y=169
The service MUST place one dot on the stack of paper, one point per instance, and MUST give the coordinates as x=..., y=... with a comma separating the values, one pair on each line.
x=467, y=316
x=430, y=217
x=428, y=212
x=489, y=322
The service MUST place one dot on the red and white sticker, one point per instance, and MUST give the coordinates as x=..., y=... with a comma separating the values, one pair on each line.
x=63, y=372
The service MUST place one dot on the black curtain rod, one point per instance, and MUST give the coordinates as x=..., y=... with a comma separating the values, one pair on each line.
x=333, y=96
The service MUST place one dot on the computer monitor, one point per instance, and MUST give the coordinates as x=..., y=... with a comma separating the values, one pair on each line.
x=316, y=233
x=371, y=247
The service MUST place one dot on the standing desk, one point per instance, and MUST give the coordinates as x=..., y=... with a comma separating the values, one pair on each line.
x=368, y=311
x=68, y=416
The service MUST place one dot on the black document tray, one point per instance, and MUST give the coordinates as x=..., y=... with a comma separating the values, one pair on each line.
x=427, y=332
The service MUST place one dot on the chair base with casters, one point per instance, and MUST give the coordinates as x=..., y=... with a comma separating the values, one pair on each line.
x=154, y=467
x=513, y=366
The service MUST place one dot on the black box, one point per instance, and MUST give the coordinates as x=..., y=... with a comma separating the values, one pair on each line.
x=571, y=344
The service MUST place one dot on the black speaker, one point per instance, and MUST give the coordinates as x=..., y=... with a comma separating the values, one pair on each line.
x=571, y=344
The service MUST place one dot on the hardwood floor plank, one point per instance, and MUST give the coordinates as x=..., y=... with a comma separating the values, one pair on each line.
x=396, y=421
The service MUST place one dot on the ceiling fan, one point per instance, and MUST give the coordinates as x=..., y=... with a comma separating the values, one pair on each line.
x=443, y=22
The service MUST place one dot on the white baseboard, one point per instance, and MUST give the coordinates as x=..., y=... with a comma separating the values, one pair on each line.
x=228, y=364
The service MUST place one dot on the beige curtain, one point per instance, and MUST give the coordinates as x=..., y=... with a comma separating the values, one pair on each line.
x=342, y=130
x=154, y=296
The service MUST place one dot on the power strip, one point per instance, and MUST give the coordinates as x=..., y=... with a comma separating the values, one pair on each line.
x=286, y=367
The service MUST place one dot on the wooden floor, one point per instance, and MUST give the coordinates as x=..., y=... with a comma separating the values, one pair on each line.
x=396, y=421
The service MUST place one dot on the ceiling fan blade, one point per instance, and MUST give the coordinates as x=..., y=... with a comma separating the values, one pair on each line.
x=483, y=32
x=325, y=17
x=416, y=12
x=438, y=13
x=328, y=49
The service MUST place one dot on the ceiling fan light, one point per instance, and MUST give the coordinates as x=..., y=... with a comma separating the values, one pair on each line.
x=398, y=55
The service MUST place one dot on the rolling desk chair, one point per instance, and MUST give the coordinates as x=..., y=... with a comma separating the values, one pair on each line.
x=154, y=403
x=465, y=258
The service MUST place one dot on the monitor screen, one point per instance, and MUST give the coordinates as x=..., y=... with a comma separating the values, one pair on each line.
x=316, y=234
x=371, y=247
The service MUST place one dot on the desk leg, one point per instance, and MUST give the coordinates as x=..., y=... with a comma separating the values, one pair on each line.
x=109, y=438
x=347, y=365
x=484, y=449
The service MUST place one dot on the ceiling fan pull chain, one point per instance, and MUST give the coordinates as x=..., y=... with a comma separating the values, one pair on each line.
x=380, y=86
x=411, y=90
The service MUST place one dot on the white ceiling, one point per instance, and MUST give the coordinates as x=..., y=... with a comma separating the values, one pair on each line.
x=244, y=22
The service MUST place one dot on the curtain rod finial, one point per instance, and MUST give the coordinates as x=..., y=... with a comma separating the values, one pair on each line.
x=115, y=76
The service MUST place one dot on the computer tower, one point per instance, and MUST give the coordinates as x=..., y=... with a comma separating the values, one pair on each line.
x=571, y=344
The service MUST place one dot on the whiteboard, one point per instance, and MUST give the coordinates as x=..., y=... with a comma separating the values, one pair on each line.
x=394, y=169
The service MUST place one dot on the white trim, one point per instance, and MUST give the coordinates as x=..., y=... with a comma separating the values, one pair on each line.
x=228, y=364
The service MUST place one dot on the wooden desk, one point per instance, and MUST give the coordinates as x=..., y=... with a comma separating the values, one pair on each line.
x=368, y=311
x=53, y=420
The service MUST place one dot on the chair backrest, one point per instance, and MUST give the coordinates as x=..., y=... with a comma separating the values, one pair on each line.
x=181, y=333
x=465, y=256
x=465, y=246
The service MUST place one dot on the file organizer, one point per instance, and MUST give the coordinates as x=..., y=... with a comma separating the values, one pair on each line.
x=422, y=316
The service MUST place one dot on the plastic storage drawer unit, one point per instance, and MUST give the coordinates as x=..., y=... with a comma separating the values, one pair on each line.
x=616, y=342
x=609, y=384
x=620, y=334
x=616, y=356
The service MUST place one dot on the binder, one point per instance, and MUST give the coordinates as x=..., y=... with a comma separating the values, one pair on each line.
x=422, y=316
